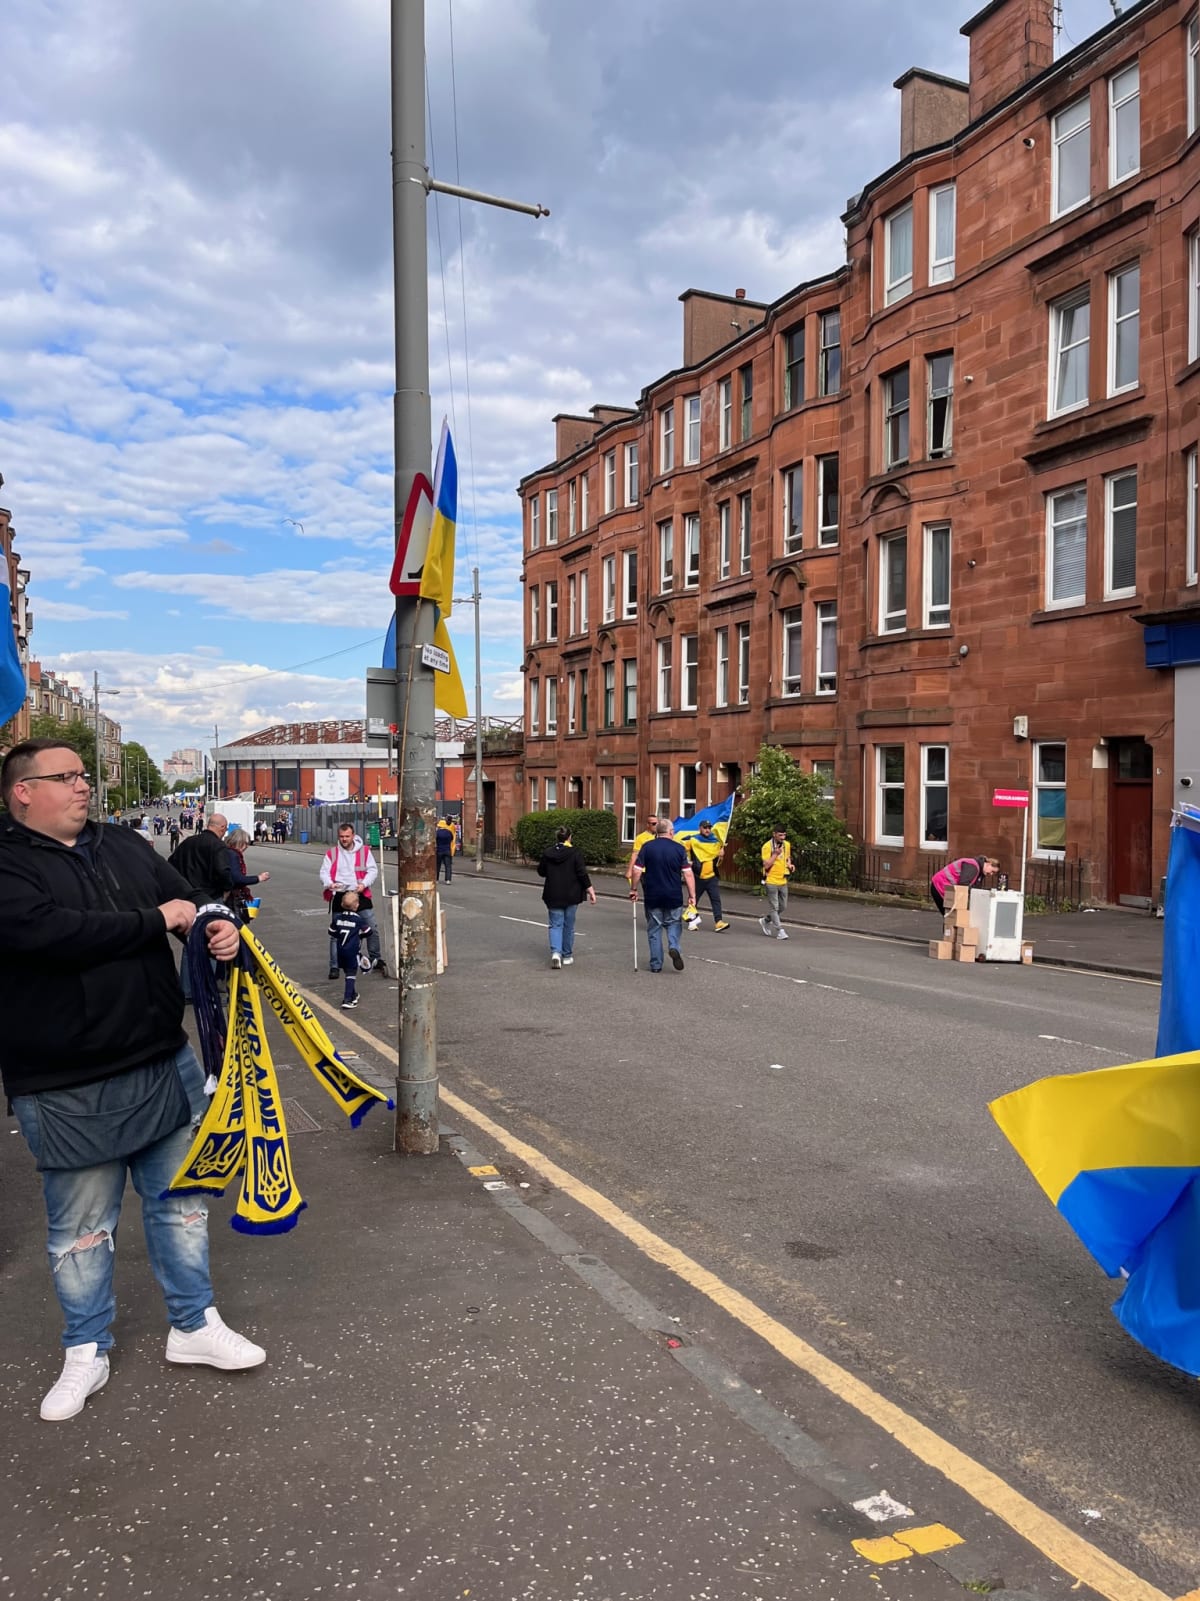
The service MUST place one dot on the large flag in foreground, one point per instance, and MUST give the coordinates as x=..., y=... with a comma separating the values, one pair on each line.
x=1179, y=1009
x=1118, y=1152
x=437, y=576
x=718, y=815
x=12, y=679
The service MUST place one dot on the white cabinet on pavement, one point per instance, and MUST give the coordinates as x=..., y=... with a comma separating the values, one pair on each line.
x=998, y=914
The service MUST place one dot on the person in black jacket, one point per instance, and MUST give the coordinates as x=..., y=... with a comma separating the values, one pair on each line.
x=204, y=860
x=96, y=1063
x=567, y=884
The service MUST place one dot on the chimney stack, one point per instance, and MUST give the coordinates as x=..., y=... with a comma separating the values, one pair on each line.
x=1011, y=42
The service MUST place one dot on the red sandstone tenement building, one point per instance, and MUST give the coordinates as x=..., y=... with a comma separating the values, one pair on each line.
x=929, y=522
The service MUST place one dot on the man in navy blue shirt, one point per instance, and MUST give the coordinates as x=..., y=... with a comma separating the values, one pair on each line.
x=666, y=868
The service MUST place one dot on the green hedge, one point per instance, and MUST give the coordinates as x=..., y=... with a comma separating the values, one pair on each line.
x=594, y=833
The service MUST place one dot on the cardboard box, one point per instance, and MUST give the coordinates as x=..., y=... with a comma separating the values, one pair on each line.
x=954, y=920
x=968, y=936
x=966, y=953
x=942, y=950
x=1027, y=952
x=958, y=899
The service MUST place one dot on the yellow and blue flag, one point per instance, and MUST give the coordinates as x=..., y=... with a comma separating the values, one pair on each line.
x=1179, y=1007
x=719, y=815
x=437, y=575
x=1118, y=1153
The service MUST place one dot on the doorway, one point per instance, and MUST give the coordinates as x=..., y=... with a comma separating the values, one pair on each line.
x=1130, y=812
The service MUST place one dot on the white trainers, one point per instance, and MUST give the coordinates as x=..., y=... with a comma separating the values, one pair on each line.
x=83, y=1374
x=555, y=960
x=765, y=924
x=568, y=961
x=781, y=935
x=214, y=1346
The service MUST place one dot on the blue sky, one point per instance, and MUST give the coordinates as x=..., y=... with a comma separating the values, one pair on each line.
x=196, y=363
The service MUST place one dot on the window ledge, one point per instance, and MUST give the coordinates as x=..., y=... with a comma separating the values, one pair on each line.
x=1089, y=430
x=671, y=712
x=809, y=698
x=729, y=711
x=810, y=403
x=1190, y=371
x=808, y=553
x=730, y=592
x=905, y=635
x=1092, y=608
x=923, y=464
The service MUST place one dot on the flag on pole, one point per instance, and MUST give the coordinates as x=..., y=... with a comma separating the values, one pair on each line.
x=12, y=679
x=1118, y=1153
x=1179, y=1007
x=719, y=815
x=437, y=576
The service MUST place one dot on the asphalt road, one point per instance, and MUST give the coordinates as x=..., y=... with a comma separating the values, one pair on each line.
x=808, y=1119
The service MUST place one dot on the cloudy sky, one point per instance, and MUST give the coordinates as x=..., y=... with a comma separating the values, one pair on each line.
x=196, y=363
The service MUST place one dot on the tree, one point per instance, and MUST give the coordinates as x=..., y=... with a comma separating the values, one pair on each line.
x=80, y=737
x=143, y=781
x=780, y=795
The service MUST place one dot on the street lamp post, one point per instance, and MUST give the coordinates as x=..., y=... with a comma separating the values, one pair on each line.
x=100, y=785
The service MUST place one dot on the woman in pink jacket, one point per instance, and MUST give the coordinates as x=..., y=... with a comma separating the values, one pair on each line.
x=966, y=870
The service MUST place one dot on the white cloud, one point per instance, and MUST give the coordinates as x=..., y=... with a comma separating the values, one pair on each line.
x=61, y=611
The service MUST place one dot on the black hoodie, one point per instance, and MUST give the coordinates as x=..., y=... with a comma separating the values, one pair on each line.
x=566, y=875
x=88, y=986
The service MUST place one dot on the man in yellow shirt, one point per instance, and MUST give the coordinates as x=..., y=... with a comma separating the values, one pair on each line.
x=777, y=868
x=706, y=851
x=648, y=833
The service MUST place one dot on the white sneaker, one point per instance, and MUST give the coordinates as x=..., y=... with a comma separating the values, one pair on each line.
x=765, y=924
x=83, y=1374
x=556, y=960
x=214, y=1346
x=781, y=935
x=568, y=961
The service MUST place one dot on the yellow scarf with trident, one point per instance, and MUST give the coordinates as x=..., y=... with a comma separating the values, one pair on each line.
x=243, y=1131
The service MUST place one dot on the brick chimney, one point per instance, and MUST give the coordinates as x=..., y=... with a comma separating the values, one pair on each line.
x=1011, y=42
x=711, y=321
x=932, y=109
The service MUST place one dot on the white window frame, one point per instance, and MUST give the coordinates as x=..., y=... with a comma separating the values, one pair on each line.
x=535, y=705
x=629, y=686
x=551, y=712
x=535, y=614
x=666, y=439
x=629, y=598
x=724, y=539
x=745, y=400
x=1060, y=139
x=632, y=482
x=883, y=786
x=793, y=391
x=572, y=703
x=1111, y=592
x=583, y=602
x=662, y=790
x=828, y=533
x=826, y=683
x=1119, y=322
x=1193, y=240
x=663, y=675
x=572, y=508
x=932, y=608
x=628, y=810
x=608, y=578
x=897, y=285
x=610, y=481
x=608, y=694
x=666, y=556
x=892, y=411
x=607, y=803
x=1052, y=524
x=743, y=664
x=932, y=394
x=687, y=789
x=1060, y=352
x=928, y=842
x=551, y=794
x=552, y=517
x=721, y=697
x=824, y=386
x=892, y=622
x=725, y=392
x=691, y=550
x=825, y=768
x=1193, y=74
x=941, y=268
x=689, y=672
x=585, y=499
x=1041, y=786
x=691, y=430
x=552, y=609
x=533, y=795
x=572, y=605
x=793, y=508
x=745, y=530
x=535, y=521
x=1119, y=100
x=791, y=653
x=1191, y=460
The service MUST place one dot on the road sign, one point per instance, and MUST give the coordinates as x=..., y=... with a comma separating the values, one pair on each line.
x=437, y=658
x=1010, y=797
x=413, y=543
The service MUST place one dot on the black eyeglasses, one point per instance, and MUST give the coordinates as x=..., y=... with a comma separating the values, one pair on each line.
x=57, y=778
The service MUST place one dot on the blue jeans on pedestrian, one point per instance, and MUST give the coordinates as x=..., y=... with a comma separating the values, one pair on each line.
x=562, y=929
x=373, y=949
x=85, y=1204
x=658, y=918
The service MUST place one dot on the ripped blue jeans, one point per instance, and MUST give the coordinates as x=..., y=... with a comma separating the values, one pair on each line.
x=83, y=1207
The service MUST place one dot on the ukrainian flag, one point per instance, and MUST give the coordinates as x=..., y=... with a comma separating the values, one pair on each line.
x=1118, y=1153
x=437, y=575
x=688, y=828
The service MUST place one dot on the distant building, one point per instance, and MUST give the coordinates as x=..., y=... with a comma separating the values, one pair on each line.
x=51, y=695
x=21, y=621
x=183, y=764
x=931, y=521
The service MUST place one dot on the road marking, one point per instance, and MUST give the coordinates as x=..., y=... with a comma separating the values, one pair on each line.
x=906, y=1543
x=762, y=972
x=1054, y=1539
x=531, y=922
x=1083, y=1045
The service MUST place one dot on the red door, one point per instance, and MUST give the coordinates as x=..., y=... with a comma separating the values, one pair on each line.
x=1131, y=791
